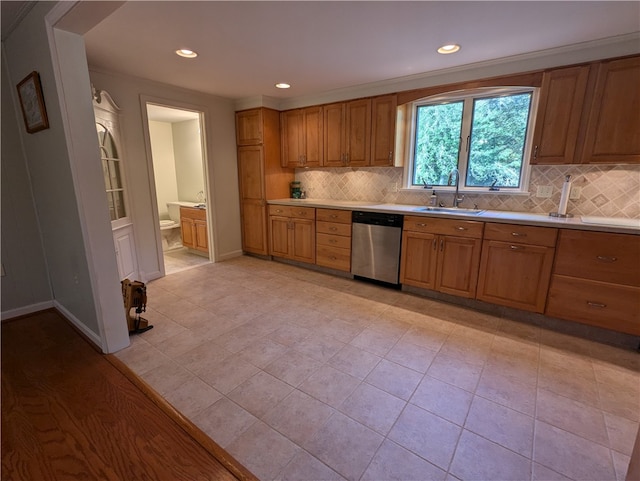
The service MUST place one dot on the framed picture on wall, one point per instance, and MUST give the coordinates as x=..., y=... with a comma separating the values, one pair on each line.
x=32, y=103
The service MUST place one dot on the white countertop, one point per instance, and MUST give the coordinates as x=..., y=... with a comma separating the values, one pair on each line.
x=592, y=223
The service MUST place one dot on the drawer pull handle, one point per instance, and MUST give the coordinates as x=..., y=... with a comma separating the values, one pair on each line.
x=421, y=225
x=332, y=241
x=599, y=305
x=516, y=248
x=333, y=258
x=461, y=228
x=333, y=216
x=518, y=234
x=278, y=210
x=301, y=212
x=607, y=258
x=333, y=228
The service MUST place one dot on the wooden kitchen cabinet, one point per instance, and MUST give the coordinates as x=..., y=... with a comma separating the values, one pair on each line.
x=347, y=134
x=333, y=239
x=441, y=254
x=383, y=129
x=260, y=174
x=515, y=266
x=292, y=233
x=613, y=126
x=560, y=110
x=596, y=280
x=193, y=225
x=302, y=137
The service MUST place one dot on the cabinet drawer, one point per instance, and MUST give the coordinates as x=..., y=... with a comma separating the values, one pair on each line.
x=599, y=256
x=458, y=228
x=598, y=303
x=521, y=234
x=334, y=215
x=331, y=240
x=193, y=213
x=292, y=211
x=333, y=257
x=333, y=228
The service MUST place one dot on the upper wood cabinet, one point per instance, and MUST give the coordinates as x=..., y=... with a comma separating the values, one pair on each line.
x=383, y=129
x=249, y=127
x=613, y=127
x=347, y=134
x=559, y=113
x=301, y=131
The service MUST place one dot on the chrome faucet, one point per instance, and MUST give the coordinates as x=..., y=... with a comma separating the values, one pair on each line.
x=456, y=198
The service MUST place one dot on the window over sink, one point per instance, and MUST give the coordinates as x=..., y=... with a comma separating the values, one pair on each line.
x=486, y=134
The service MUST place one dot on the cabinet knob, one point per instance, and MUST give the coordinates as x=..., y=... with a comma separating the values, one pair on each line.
x=333, y=229
x=598, y=305
x=607, y=258
x=333, y=258
x=333, y=241
x=518, y=234
x=535, y=153
x=333, y=216
x=421, y=225
x=516, y=248
x=390, y=155
x=460, y=228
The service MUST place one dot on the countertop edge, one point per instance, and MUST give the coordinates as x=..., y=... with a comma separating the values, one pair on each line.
x=522, y=218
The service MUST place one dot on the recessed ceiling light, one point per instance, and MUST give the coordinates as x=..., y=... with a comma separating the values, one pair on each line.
x=452, y=48
x=185, y=52
x=282, y=86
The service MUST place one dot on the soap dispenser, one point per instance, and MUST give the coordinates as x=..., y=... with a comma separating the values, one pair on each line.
x=433, y=199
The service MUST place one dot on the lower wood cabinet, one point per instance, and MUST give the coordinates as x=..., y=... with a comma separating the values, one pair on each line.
x=441, y=254
x=515, y=267
x=333, y=239
x=292, y=233
x=596, y=280
x=193, y=225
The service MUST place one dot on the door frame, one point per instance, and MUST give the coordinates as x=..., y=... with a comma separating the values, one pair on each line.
x=203, y=113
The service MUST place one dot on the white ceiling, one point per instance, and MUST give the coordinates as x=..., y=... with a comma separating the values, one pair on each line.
x=168, y=114
x=246, y=47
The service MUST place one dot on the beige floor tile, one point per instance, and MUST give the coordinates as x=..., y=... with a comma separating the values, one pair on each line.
x=224, y=421
x=519, y=331
x=373, y=407
x=342, y=330
x=228, y=374
x=455, y=371
x=466, y=350
x=163, y=327
x=394, y=463
x=202, y=358
x=262, y=352
x=354, y=361
x=192, y=397
x=290, y=334
x=260, y=393
x=542, y=473
x=330, y=386
x=299, y=416
x=569, y=384
x=394, y=379
x=478, y=458
x=508, y=391
x=263, y=451
x=624, y=403
x=182, y=342
x=166, y=377
x=502, y=425
x=427, y=435
x=447, y=401
x=142, y=357
x=622, y=433
x=425, y=338
x=320, y=348
x=345, y=445
x=293, y=367
x=411, y=356
x=572, y=416
x=571, y=455
x=374, y=341
x=621, y=465
x=304, y=467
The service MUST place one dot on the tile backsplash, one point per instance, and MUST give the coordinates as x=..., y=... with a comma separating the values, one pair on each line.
x=610, y=191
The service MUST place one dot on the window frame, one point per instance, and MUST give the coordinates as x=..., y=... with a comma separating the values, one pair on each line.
x=464, y=95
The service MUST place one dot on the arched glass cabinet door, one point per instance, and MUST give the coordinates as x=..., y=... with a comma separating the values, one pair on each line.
x=112, y=172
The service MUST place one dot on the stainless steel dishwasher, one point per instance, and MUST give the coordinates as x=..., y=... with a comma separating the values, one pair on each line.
x=375, y=246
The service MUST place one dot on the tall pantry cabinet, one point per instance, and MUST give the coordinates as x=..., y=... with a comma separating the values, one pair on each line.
x=260, y=174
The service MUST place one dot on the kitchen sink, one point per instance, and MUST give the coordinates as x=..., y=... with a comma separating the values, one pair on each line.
x=449, y=210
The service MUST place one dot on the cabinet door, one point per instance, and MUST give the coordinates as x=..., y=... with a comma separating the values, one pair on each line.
x=279, y=236
x=251, y=173
x=358, y=133
x=201, y=235
x=292, y=124
x=418, y=260
x=312, y=137
x=303, y=243
x=333, y=135
x=383, y=129
x=188, y=234
x=515, y=275
x=249, y=127
x=561, y=106
x=458, y=264
x=613, y=130
x=254, y=227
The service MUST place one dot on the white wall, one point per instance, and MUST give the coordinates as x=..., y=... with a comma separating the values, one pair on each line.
x=220, y=154
x=164, y=165
x=188, y=155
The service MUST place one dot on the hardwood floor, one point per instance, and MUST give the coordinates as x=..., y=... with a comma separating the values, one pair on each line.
x=69, y=412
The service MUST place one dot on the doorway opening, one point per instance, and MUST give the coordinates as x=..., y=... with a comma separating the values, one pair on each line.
x=179, y=172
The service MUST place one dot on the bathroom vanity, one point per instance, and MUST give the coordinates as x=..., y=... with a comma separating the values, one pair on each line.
x=193, y=226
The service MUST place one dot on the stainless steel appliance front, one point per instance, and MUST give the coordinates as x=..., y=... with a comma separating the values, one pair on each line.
x=375, y=248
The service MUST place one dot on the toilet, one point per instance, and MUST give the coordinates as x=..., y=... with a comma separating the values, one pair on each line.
x=170, y=228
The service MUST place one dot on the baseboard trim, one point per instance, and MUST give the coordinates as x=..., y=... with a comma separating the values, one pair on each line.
x=84, y=330
x=26, y=310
